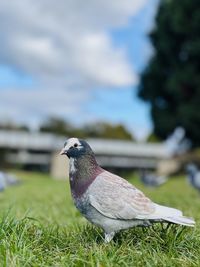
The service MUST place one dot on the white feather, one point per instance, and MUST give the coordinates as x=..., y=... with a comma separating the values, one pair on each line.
x=72, y=167
x=170, y=215
x=71, y=142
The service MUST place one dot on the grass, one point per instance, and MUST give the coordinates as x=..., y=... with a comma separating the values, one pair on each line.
x=39, y=226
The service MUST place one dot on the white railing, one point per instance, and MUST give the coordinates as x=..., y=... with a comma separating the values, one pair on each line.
x=49, y=143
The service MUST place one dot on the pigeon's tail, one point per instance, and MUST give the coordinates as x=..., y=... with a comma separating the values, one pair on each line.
x=181, y=220
x=173, y=215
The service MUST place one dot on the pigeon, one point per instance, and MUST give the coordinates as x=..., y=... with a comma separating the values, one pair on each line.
x=152, y=180
x=11, y=179
x=2, y=181
x=193, y=175
x=109, y=201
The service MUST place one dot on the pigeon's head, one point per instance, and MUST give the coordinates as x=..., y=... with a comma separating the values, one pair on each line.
x=74, y=148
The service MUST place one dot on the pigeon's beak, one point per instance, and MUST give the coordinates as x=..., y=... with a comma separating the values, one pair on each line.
x=63, y=152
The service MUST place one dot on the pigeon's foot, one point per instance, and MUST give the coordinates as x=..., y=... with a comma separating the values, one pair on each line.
x=109, y=237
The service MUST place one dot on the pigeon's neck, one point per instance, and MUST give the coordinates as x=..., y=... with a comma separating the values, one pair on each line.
x=82, y=172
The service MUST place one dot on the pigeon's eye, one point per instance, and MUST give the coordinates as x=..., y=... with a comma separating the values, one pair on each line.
x=75, y=145
x=65, y=144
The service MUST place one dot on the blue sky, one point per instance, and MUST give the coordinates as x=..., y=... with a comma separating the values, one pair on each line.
x=87, y=73
x=10, y=77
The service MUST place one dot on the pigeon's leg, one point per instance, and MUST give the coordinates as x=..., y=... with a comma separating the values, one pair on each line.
x=109, y=237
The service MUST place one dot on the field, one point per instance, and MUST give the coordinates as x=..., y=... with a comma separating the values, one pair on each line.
x=39, y=226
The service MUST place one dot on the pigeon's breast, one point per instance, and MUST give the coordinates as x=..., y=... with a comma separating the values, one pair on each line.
x=82, y=202
x=91, y=214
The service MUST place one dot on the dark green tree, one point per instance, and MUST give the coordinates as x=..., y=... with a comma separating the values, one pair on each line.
x=94, y=130
x=107, y=131
x=11, y=126
x=152, y=138
x=56, y=126
x=171, y=81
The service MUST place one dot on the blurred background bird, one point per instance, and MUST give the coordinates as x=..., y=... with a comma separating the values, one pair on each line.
x=193, y=175
x=11, y=179
x=152, y=180
x=7, y=179
x=2, y=182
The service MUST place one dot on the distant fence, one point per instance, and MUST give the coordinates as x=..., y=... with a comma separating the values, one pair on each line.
x=30, y=148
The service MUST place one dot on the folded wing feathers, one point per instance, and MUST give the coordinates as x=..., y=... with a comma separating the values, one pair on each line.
x=116, y=198
x=129, y=203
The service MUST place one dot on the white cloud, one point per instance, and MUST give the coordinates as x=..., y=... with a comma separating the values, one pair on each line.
x=34, y=105
x=65, y=46
x=101, y=63
x=65, y=39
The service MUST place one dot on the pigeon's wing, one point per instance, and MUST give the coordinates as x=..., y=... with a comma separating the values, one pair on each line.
x=115, y=198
